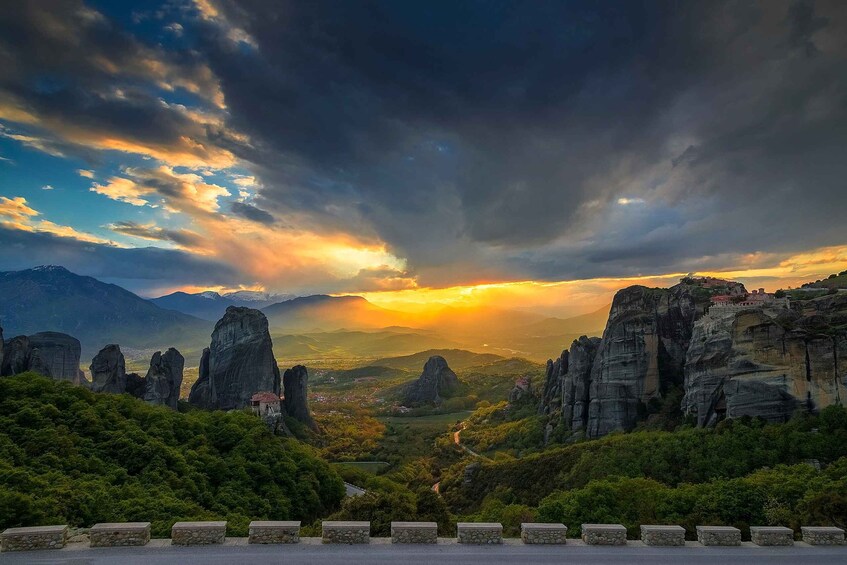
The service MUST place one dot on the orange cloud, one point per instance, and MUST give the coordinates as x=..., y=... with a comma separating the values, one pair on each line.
x=20, y=216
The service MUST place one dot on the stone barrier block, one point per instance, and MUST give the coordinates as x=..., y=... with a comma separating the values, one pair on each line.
x=663, y=535
x=604, y=534
x=346, y=532
x=119, y=534
x=198, y=533
x=414, y=532
x=544, y=533
x=37, y=537
x=826, y=535
x=479, y=533
x=718, y=535
x=273, y=532
x=771, y=535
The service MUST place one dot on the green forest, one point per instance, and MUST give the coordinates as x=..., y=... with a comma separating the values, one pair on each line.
x=68, y=455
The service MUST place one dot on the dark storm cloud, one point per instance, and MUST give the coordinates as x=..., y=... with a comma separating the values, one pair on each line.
x=180, y=236
x=22, y=249
x=252, y=213
x=457, y=131
x=479, y=140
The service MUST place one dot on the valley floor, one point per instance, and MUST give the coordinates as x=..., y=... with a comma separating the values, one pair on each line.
x=381, y=550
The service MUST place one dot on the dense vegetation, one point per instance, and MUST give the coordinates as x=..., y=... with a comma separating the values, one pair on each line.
x=68, y=455
x=742, y=472
x=835, y=280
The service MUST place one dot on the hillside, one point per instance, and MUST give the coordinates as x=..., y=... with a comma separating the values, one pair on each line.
x=834, y=280
x=96, y=313
x=458, y=359
x=741, y=473
x=321, y=312
x=68, y=455
x=341, y=344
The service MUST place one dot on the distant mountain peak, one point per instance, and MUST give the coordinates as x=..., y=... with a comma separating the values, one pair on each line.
x=50, y=269
x=210, y=294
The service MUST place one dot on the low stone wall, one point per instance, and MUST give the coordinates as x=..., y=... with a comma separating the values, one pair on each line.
x=604, y=534
x=718, y=535
x=273, y=532
x=198, y=533
x=822, y=535
x=771, y=535
x=479, y=533
x=37, y=537
x=346, y=532
x=544, y=533
x=414, y=532
x=663, y=535
x=119, y=534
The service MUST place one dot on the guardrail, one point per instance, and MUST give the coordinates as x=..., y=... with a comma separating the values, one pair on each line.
x=267, y=532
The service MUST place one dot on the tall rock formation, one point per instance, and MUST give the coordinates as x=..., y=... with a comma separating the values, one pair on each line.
x=239, y=363
x=108, y=371
x=642, y=353
x=52, y=354
x=551, y=394
x=295, y=389
x=58, y=355
x=577, y=381
x=767, y=363
x=164, y=378
x=436, y=380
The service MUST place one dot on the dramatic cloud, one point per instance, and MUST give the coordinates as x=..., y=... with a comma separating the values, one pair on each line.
x=342, y=146
x=15, y=213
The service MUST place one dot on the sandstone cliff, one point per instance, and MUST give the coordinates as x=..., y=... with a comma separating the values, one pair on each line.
x=164, y=378
x=641, y=354
x=436, y=380
x=238, y=364
x=108, y=370
x=52, y=354
x=767, y=364
x=296, y=403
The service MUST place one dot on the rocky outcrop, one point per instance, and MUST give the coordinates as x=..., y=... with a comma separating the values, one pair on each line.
x=108, y=371
x=57, y=356
x=554, y=377
x=239, y=362
x=15, y=356
x=641, y=354
x=767, y=364
x=522, y=391
x=577, y=381
x=436, y=381
x=164, y=378
x=135, y=385
x=52, y=354
x=295, y=389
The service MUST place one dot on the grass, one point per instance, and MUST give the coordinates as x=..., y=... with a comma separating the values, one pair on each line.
x=432, y=419
x=372, y=467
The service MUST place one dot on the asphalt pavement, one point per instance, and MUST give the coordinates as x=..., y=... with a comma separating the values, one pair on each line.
x=381, y=551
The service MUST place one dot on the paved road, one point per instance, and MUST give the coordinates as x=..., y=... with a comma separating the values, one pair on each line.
x=381, y=551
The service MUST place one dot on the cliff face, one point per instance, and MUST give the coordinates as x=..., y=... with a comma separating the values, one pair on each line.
x=642, y=353
x=108, y=371
x=577, y=383
x=436, y=380
x=296, y=403
x=161, y=385
x=767, y=363
x=52, y=354
x=240, y=362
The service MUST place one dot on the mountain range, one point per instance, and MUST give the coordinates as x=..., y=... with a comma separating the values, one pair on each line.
x=210, y=305
x=51, y=298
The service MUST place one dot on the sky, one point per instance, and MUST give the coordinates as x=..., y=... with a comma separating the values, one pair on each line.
x=534, y=154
